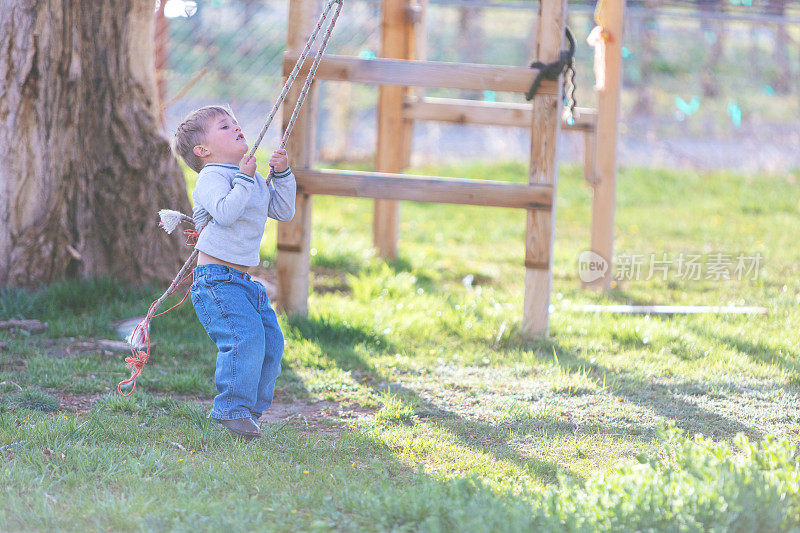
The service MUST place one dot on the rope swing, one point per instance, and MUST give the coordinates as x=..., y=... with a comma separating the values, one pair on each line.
x=139, y=339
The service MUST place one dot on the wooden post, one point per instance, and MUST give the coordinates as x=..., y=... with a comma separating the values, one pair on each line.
x=590, y=156
x=605, y=187
x=540, y=228
x=394, y=132
x=420, y=11
x=294, y=237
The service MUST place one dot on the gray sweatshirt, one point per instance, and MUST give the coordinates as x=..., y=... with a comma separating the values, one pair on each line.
x=239, y=206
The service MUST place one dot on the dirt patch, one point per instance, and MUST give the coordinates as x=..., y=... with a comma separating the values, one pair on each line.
x=61, y=348
x=80, y=403
x=328, y=280
x=83, y=403
x=321, y=417
x=13, y=365
x=315, y=411
x=325, y=286
x=279, y=412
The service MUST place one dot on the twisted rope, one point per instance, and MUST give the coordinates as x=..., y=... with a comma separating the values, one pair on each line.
x=293, y=75
x=139, y=339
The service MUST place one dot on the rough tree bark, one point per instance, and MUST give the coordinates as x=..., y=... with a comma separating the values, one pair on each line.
x=84, y=166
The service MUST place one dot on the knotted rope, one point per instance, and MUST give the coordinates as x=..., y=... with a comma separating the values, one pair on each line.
x=552, y=71
x=139, y=339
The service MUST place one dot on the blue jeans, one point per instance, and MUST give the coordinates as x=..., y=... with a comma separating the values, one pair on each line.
x=235, y=312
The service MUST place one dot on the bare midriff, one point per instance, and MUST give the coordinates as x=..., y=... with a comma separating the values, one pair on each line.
x=205, y=259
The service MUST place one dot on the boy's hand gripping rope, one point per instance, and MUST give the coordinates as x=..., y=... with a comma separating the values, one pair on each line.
x=139, y=339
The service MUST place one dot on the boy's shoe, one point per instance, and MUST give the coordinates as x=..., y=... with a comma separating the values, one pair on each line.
x=241, y=427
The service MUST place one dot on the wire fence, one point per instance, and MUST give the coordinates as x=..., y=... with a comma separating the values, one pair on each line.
x=703, y=87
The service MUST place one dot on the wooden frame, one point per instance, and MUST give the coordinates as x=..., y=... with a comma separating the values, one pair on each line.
x=398, y=107
x=294, y=237
x=488, y=113
x=430, y=74
x=393, y=150
x=424, y=189
x=605, y=168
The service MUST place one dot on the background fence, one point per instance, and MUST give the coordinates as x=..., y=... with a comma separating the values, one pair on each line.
x=707, y=84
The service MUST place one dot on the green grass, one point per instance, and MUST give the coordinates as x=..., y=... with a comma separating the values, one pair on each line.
x=418, y=403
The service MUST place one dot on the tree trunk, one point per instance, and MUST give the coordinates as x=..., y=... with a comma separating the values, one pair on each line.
x=84, y=167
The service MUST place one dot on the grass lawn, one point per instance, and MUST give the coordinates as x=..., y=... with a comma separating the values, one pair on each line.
x=409, y=400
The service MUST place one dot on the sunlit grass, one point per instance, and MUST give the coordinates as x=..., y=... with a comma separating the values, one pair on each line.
x=432, y=389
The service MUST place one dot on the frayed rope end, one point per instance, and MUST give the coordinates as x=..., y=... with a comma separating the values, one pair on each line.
x=171, y=219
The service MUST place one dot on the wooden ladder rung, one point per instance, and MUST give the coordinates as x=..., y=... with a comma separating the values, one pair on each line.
x=413, y=188
x=408, y=73
x=487, y=113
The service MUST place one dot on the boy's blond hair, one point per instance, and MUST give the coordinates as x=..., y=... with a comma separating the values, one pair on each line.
x=192, y=132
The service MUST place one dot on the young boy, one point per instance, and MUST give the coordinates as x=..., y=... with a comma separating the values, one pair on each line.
x=233, y=308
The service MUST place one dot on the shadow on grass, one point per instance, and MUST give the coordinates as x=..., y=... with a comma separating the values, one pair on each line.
x=338, y=338
x=758, y=351
x=331, y=270
x=340, y=263
x=350, y=263
x=666, y=400
x=621, y=296
x=140, y=444
x=494, y=438
x=337, y=341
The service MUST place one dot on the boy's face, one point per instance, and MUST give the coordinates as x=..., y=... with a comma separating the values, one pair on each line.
x=224, y=141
